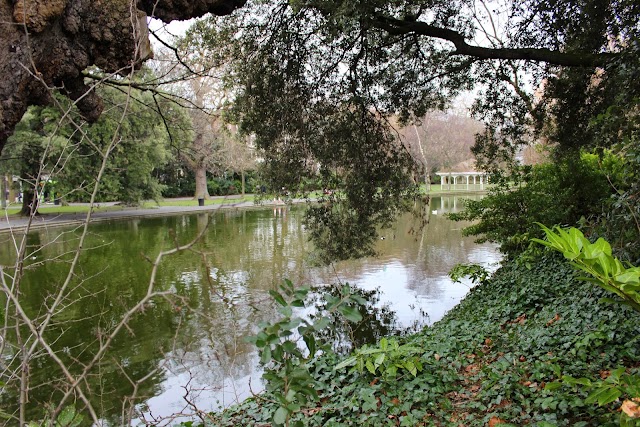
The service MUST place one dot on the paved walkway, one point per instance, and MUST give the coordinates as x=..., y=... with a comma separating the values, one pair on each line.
x=16, y=223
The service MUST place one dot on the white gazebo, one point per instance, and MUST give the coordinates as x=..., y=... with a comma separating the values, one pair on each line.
x=463, y=176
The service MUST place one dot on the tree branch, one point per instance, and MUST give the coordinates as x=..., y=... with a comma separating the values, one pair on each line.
x=554, y=57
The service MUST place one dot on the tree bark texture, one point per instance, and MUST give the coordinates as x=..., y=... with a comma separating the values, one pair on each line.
x=48, y=43
x=202, y=192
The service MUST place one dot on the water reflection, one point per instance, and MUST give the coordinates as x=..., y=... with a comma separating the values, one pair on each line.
x=189, y=349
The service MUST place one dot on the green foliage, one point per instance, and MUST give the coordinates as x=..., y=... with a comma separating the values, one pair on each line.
x=603, y=392
x=607, y=272
x=177, y=181
x=219, y=186
x=477, y=273
x=68, y=417
x=491, y=356
x=596, y=260
x=553, y=193
x=286, y=366
x=71, y=150
x=619, y=127
x=378, y=320
x=386, y=359
x=140, y=150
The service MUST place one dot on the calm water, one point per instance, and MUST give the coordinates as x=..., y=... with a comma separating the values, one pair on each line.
x=189, y=348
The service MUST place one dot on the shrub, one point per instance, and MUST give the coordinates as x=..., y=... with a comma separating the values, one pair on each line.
x=554, y=193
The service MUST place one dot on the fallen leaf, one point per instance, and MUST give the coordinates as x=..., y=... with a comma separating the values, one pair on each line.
x=554, y=320
x=494, y=421
x=632, y=409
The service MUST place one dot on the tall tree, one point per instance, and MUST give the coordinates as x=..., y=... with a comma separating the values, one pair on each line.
x=56, y=144
x=214, y=146
x=305, y=68
x=239, y=155
x=440, y=139
x=47, y=44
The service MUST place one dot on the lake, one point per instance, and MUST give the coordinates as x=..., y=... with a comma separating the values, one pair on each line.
x=186, y=349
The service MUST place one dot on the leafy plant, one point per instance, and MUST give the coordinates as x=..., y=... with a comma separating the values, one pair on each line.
x=68, y=417
x=387, y=359
x=490, y=357
x=610, y=274
x=287, y=366
x=597, y=260
x=378, y=319
x=552, y=193
x=618, y=383
x=477, y=273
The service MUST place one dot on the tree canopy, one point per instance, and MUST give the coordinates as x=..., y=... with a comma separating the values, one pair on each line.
x=55, y=142
x=317, y=81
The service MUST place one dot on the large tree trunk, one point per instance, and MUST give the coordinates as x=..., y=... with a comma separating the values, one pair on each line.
x=243, y=181
x=201, y=183
x=29, y=203
x=51, y=42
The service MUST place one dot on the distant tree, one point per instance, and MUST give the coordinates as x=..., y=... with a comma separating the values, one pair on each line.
x=440, y=139
x=238, y=155
x=211, y=146
x=28, y=150
x=55, y=142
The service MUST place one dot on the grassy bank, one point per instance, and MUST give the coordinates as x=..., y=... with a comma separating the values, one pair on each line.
x=14, y=208
x=488, y=362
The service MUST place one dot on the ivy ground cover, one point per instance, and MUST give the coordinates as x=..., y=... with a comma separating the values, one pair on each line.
x=498, y=358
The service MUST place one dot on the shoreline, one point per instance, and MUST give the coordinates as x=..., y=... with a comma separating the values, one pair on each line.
x=10, y=224
x=18, y=224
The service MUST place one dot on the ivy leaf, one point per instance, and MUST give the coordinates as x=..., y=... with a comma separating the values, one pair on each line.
x=346, y=362
x=321, y=323
x=280, y=417
x=369, y=365
x=553, y=386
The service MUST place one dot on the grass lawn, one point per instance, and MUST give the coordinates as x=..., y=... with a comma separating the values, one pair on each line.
x=14, y=209
x=193, y=202
x=46, y=209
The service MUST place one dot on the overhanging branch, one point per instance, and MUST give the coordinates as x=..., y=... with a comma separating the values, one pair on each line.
x=554, y=57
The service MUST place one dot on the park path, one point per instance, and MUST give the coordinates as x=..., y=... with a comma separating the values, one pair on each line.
x=17, y=223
